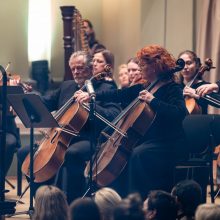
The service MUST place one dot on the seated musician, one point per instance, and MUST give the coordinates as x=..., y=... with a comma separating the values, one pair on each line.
x=12, y=137
x=94, y=45
x=78, y=152
x=123, y=78
x=191, y=68
x=134, y=72
x=151, y=164
x=187, y=76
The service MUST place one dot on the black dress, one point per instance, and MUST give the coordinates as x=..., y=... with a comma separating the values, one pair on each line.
x=151, y=164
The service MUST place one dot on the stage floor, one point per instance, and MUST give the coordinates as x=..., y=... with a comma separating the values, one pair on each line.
x=12, y=195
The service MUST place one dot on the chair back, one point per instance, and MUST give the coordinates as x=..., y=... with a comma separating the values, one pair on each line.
x=215, y=128
x=197, y=130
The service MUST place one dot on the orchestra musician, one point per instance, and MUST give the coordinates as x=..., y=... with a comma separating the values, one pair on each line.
x=73, y=183
x=123, y=78
x=187, y=74
x=134, y=71
x=12, y=137
x=151, y=163
x=94, y=44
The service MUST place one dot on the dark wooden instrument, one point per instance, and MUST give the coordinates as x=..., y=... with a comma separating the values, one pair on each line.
x=134, y=121
x=73, y=35
x=50, y=154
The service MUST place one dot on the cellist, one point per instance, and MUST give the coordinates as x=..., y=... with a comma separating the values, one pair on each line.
x=79, y=150
x=186, y=76
x=151, y=163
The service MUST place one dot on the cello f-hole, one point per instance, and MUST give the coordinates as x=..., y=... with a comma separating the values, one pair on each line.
x=55, y=135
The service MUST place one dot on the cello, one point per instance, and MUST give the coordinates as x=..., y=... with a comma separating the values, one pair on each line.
x=191, y=105
x=135, y=120
x=50, y=155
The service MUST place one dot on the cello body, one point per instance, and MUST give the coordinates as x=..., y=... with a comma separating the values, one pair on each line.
x=50, y=154
x=192, y=106
x=115, y=152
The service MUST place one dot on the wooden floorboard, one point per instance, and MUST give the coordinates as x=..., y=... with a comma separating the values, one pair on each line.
x=23, y=205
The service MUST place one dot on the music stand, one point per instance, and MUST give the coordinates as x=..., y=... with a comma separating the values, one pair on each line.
x=33, y=114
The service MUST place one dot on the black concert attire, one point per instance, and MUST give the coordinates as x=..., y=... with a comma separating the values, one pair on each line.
x=70, y=177
x=201, y=102
x=152, y=161
x=201, y=175
x=94, y=45
x=12, y=138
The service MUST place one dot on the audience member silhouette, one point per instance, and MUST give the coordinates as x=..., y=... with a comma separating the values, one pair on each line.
x=50, y=203
x=84, y=209
x=188, y=195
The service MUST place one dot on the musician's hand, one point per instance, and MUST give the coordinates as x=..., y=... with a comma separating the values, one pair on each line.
x=136, y=79
x=145, y=96
x=207, y=88
x=82, y=97
x=14, y=81
x=190, y=92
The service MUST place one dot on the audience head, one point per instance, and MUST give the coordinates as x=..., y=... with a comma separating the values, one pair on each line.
x=188, y=194
x=208, y=212
x=123, y=77
x=81, y=67
x=103, y=61
x=155, y=61
x=192, y=65
x=106, y=199
x=84, y=209
x=50, y=203
x=160, y=205
x=129, y=208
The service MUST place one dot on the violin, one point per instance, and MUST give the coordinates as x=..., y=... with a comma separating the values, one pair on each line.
x=191, y=104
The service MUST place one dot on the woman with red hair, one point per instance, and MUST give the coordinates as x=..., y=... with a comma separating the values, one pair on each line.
x=152, y=161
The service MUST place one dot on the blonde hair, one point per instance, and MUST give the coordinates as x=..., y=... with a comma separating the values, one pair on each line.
x=122, y=66
x=50, y=203
x=107, y=199
x=208, y=212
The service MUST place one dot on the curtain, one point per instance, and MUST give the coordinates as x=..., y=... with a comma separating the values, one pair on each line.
x=208, y=39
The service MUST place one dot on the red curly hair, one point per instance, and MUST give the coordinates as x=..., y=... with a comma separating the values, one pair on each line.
x=158, y=56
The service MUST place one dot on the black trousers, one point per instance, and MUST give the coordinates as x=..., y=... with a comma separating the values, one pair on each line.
x=11, y=145
x=70, y=178
x=151, y=167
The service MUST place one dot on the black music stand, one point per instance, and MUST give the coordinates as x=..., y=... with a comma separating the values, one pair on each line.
x=33, y=114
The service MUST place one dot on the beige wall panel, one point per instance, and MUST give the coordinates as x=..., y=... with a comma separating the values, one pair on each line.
x=121, y=28
x=179, y=28
x=152, y=22
x=13, y=42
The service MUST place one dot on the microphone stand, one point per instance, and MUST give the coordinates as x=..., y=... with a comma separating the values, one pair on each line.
x=6, y=207
x=91, y=187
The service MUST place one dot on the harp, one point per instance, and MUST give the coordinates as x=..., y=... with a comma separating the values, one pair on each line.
x=73, y=35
